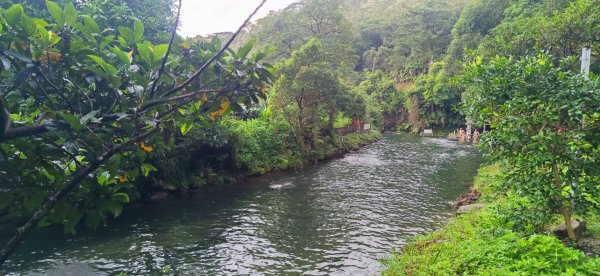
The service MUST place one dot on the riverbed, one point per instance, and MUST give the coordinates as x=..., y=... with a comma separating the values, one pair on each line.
x=337, y=217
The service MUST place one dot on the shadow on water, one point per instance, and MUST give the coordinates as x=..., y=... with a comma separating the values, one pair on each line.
x=339, y=217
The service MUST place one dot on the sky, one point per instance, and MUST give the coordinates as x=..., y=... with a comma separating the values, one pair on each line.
x=202, y=17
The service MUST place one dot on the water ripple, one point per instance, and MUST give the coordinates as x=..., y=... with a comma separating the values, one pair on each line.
x=339, y=218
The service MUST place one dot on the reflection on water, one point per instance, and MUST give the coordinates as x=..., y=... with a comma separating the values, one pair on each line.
x=337, y=218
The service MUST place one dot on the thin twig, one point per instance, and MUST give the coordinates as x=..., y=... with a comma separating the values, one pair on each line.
x=58, y=147
x=164, y=62
x=58, y=90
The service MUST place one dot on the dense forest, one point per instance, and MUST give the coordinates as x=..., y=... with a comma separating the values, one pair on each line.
x=103, y=104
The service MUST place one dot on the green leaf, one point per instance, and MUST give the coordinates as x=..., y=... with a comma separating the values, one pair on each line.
x=147, y=168
x=90, y=117
x=128, y=34
x=243, y=52
x=91, y=24
x=92, y=220
x=109, y=69
x=122, y=56
x=5, y=63
x=103, y=178
x=115, y=208
x=145, y=53
x=71, y=220
x=30, y=25
x=56, y=12
x=34, y=201
x=70, y=14
x=121, y=197
x=138, y=29
x=98, y=60
x=185, y=128
x=215, y=44
x=159, y=52
x=73, y=121
x=13, y=14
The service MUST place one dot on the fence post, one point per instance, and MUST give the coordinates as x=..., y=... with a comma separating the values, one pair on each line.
x=586, y=57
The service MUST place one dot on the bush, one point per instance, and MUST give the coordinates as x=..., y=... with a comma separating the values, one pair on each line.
x=262, y=145
x=494, y=241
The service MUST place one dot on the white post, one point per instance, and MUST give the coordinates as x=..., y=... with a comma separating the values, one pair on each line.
x=586, y=56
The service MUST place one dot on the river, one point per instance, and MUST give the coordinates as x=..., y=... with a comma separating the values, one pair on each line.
x=339, y=217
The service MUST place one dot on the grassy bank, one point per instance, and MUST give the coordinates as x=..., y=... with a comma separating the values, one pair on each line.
x=244, y=148
x=504, y=238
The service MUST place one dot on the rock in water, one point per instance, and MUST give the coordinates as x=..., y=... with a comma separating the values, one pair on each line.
x=469, y=208
x=279, y=186
x=159, y=195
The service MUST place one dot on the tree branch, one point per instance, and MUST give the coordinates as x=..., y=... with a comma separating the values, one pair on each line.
x=164, y=62
x=26, y=131
x=4, y=119
x=52, y=201
x=84, y=172
x=215, y=57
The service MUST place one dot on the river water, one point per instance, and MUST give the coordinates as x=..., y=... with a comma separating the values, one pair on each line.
x=339, y=217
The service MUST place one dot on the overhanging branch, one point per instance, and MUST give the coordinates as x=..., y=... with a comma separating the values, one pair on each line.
x=214, y=57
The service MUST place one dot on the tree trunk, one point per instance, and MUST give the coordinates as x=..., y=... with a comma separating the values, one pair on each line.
x=565, y=208
x=567, y=217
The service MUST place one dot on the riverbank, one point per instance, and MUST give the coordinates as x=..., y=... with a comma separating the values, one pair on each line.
x=339, y=217
x=503, y=238
x=255, y=148
x=251, y=150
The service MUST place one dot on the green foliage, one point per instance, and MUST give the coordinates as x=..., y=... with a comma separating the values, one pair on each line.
x=559, y=27
x=545, y=123
x=476, y=21
x=437, y=96
x=381, y=96
x=264, y=146
x=293, y=27
x=482, y=243
x=310, y=90
x=86, y=86
x=421, y=33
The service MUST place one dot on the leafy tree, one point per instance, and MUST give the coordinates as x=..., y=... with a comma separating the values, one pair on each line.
x=437, y=95
x=80, y=104
x=560, y=27
x=476, y=21
x=288, y=30
x=158, y=15
x=545, y=127
x=307, y=91
x=383, y=99
x=420, y=34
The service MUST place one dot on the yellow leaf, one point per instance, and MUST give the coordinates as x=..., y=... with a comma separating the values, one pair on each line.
x=122, y=178
x=130, y=55
x=52, y=35
x=52, y=56
x=146, y=148
x=263, y=89
x=224, y=106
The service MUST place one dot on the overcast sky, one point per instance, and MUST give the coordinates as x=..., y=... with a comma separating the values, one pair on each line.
x=201, y=17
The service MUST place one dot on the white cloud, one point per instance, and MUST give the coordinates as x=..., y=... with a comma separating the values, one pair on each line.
x=201, y=17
